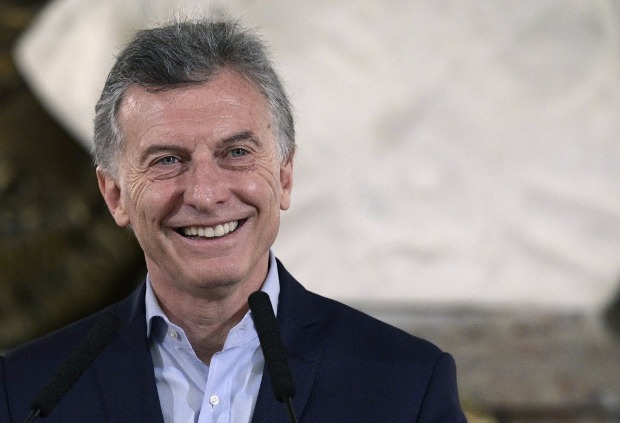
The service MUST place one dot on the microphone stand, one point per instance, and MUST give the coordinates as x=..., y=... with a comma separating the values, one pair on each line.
x=289, y=409
x=34, y=414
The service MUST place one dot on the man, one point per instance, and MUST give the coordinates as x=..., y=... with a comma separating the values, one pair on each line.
x=194, y=145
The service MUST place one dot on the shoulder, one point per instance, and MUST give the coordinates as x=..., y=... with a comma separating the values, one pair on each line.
x=357, y=358
x=367, y=336
x=49, y=351
x=53, y=346
x=27, y=368
x=347, y=330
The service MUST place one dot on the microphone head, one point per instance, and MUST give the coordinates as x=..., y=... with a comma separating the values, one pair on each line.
x=271, y=344
x=101, y=334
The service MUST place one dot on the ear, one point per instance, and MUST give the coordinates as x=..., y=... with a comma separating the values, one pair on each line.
x=286, y=183
x=111, y=192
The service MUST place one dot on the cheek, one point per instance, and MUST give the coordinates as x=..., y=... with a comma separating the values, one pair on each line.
x=136, y=189
x=148, y=198
x=266, y=184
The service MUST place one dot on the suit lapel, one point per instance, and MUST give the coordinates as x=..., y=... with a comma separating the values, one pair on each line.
x=128, y=384
x=299, y=321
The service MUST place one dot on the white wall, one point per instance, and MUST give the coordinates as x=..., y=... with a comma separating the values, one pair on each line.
x=450, y=151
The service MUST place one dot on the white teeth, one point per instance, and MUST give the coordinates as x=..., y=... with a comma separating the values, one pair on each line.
x=210, y=232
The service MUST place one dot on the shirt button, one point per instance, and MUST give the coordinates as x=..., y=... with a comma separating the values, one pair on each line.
x=214, y=400
x=173, y=334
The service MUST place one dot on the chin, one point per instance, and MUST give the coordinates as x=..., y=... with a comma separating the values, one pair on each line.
x=215, y=279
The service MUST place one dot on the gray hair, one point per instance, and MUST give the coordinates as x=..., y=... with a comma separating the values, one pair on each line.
x=186, y=53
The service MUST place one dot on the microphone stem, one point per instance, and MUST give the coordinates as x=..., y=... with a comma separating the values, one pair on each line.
x=33, y=415
x=289, y=408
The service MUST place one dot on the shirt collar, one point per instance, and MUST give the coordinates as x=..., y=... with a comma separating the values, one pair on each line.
x=271, y=286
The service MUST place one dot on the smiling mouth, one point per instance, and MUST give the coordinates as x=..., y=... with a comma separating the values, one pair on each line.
x=209, y=231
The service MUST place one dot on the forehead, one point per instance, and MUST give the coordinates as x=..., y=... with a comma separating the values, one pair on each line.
x=227, y=99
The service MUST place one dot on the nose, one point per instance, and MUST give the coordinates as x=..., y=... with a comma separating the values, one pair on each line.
x=207, y=187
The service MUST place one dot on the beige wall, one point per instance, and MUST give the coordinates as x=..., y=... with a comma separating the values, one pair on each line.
x=449, y=151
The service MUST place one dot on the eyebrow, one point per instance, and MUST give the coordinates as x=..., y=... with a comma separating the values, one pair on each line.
x=241, y=136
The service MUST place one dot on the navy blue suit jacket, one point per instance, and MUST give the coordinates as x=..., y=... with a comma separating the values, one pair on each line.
x=347, y=367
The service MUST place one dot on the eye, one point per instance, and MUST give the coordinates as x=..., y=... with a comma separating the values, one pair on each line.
x=168, y=160
x=238, y=152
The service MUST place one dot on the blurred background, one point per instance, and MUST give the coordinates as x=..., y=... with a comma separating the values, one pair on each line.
x=458, y=175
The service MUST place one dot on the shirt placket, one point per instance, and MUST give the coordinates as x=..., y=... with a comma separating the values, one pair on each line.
x=215, y=405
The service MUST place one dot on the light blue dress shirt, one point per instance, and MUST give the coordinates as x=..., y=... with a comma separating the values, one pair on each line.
x=189, y=390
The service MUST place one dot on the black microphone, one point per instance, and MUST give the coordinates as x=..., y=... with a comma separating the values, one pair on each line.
x=271, y=344
x=101, y=334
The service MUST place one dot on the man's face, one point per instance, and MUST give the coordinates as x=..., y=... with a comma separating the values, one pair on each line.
x=200, y=183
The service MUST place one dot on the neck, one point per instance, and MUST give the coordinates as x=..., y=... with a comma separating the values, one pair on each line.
x=206, y=319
